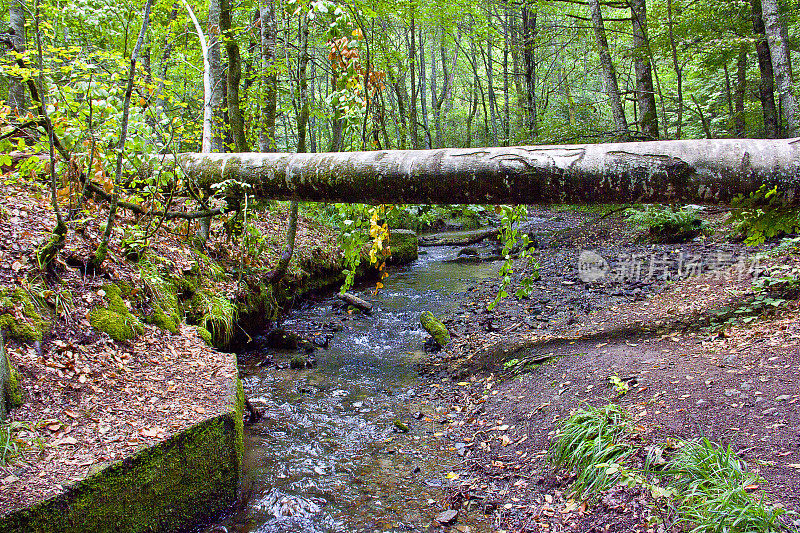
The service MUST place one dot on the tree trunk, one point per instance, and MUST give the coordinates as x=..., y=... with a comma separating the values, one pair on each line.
x=412, y=67
x=778, y=40
x=489, y=62
x=696, y=171
x=16, y=86
x=302, y=84
x=422, y=80
x=766, y=88
x=741, y=89
x=529, y=30
x=609, y=73
x=165, y=55
x=678, y=69
x=645, y=95
x=269, y=104
x=217, y=98
x=233, y=79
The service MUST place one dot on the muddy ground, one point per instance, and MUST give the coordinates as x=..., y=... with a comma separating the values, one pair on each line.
x=691, y=366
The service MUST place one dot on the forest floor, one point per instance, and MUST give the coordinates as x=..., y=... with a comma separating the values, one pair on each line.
x=90, y=400
x=695, y=358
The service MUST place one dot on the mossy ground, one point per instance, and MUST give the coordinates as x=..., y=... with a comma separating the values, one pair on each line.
x=23, y=314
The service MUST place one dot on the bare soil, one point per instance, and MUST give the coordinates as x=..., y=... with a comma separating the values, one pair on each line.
x=687, y=375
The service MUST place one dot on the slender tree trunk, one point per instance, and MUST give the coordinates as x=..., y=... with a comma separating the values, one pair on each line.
x=728, y=94
x=101, y=252
x=678, y=69
x=473, y=108
x=529, y=31
x=609, y=72
x=233, y=79
x=506, y=105
x=766, y=88
x=412, y=68
x=269, y=104
x=489, y=61
x=218, y=82
x=400, y=92
x=422, y=98
x=778, y=40
x=16, y=86
x=741, y=89
x=645, y=94
x=302, y=84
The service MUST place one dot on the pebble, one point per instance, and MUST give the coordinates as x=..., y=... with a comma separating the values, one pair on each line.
x=783, y=398
x=447, y=517
x=770, y=411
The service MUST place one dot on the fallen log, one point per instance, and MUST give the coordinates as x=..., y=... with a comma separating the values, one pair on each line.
x=355, y=301
x=707, y=171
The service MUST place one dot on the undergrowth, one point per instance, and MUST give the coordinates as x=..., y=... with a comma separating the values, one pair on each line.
x=711, y=489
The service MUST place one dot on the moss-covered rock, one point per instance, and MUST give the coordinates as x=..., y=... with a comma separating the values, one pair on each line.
x=163, y=296
x=404, y=245
x=204, y=334
x=187, y=478
x=23, y=317
x=433, y=326
x=115, y=319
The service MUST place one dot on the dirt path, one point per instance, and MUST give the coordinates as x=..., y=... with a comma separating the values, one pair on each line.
x=738, y=386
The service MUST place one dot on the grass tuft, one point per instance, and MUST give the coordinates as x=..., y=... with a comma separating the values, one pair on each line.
x=593, y=436
x=713, y=485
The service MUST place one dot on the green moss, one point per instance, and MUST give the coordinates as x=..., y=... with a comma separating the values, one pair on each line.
x=204, y=334
x=32, y=323
x=190, y=477
x=13, y=386
x=404, y=246
x=433, y=326
x=166, y=310
x=115, y=319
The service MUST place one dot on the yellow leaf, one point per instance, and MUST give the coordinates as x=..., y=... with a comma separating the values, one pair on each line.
x=452, y=475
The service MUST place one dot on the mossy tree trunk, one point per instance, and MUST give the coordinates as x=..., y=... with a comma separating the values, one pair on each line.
x=691, y=171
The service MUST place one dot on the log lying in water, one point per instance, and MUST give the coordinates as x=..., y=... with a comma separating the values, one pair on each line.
x=688, y=171
x=355, y=301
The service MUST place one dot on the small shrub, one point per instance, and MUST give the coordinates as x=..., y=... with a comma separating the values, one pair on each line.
x=666, y=224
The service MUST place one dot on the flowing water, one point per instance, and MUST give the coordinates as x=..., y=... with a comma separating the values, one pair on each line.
x=328, y=456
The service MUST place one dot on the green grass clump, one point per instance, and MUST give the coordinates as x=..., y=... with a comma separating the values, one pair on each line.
x=593, y=436
x=218, y=316
x=713, y=495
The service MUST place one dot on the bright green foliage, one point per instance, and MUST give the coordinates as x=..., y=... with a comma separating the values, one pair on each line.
x=514, y=239
x=115, y=319
x=713, y=485
x=218, y=315
x=762, y=216
x=163, y=297
x=666, y=223
x=590, y=437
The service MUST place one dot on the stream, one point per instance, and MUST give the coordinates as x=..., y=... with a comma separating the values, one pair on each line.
x=327, y=455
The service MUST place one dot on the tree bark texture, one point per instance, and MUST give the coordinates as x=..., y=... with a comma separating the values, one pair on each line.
x=739, y=92
x=645, y=94
x=16, y=86
x=778, y=40
x=696, y=171
x=766, y=88
x=217, y=97
x=529, y=62
x=609, y=72
x=233, y=79
x=266, y=138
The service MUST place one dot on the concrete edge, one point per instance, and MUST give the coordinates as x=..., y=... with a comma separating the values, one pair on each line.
x=191, y=476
